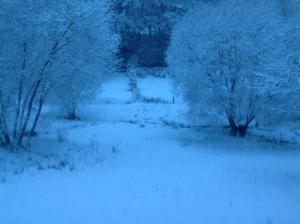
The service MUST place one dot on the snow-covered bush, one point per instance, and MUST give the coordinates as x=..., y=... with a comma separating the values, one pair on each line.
x=87, y=60
x=43, y=44
x=31, y=39
x=231, y=62
x=291, y=12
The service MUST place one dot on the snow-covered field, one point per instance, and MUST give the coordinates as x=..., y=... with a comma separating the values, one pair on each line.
x=124, y=164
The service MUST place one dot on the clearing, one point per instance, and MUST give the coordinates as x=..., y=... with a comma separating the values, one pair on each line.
x=126, y=163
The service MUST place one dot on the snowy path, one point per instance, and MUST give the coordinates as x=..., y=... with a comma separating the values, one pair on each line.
x=158, y=175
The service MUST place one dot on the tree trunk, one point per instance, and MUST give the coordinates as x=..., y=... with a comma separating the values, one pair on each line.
x=240, y=130
x=18, y=110
x=36, y=119
x=72, y=115
x=3, y=128
x=4, y=136
x=5, y=139
x=233, y=127
x=243, y=130
x=28, y=114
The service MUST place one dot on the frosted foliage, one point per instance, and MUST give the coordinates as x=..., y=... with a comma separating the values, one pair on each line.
x=87, y=61
x=45, y=44
x=230, y=60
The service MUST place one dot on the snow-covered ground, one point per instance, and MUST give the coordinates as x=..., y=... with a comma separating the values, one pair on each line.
x=140, y=170
x=152, y=87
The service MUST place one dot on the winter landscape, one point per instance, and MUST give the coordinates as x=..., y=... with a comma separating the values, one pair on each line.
x=150, y=111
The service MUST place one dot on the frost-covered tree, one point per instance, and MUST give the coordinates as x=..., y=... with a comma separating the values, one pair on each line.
x=291, y=13
x=230, y=61
x=31, y=40
x=38, y=40
x=87, y=60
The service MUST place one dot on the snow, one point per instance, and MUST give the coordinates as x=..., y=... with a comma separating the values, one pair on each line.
x=151, y=172
x=115, y=90
x=153, y=87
